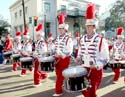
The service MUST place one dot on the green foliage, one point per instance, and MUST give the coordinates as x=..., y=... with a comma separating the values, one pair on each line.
x=3, y=25
x=117, y=16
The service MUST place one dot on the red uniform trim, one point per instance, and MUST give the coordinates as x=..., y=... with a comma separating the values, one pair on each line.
x=100, y=45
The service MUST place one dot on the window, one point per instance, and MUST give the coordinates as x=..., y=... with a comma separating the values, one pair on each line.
x=16, y=15
x=26, y=10
x=20, y=12
x=63, y=7
x=47, y=7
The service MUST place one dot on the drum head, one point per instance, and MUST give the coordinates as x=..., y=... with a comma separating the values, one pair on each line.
x=72, y=72
x=16, y=55
x=7, y=52
x=122, y=62
x=46, y=59
x=25, y=59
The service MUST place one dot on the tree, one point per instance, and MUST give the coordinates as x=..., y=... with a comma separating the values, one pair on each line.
x=116, y=18
x=3, y=25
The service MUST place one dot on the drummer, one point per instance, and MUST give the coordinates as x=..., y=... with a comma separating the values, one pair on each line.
x=17, y=49
x=8, y=46
x=40, y=51
x=50, y=44
x=93, y=52
x=76, y=42
x=118, y=52
x=26, y=50
x=64, y=48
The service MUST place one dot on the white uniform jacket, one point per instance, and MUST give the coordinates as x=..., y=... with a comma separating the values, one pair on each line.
x=64, y=45
x=94, y=51
x=27, y=48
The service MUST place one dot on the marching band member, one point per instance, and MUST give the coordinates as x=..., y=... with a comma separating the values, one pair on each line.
x=40, y=51
x=8, y=43
x=64, y=48
x=50, y=51
x=76, y=42
x=93, y=52
x=26, y=50
x=17, y=49
x=50, y=45
x=118, y=52
x=8, y=46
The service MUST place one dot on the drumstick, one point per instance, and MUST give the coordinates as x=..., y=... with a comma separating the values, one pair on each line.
x=89, y=72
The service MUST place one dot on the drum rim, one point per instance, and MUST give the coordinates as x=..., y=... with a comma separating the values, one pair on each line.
x=74, y=75
x=69, y=91
x=30, y=59
x=18, y=55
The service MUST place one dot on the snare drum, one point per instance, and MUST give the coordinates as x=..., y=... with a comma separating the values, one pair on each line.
x=7, y=54
x=46, y=59
x=75, y=79
x=116, y=64
x=47, y=63
x=16, y=57
x=26, y=62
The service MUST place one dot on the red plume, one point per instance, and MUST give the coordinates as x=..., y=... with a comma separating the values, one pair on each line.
x=39, y=27
x=77, y=34
x=91, y=9
x=120, y=31
x=61, y=18
x=18, y=33
x=25, y=32
x=50, y=34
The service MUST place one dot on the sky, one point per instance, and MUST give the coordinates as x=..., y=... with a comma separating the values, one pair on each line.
x=4, y=8
x=5, y=4
x=104, y=4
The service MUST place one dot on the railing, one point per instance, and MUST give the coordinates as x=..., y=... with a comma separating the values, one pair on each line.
x=72, y=12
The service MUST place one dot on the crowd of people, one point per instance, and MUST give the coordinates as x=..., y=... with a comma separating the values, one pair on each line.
x=91, y=51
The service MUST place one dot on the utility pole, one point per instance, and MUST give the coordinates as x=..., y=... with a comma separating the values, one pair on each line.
x=45, y=26
x=24, y=18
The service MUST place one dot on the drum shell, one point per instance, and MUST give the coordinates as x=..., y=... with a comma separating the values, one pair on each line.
x=7, y=54
x=115, y=65
x=75, y=79
x=46, y=66
x=27, y=63
x=16, y=57
x=76, y=84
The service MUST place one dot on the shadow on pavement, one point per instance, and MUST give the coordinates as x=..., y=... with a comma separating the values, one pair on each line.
x=5, y=69
x=7, y=77
x=120, y=92
x=108, y=80
x=49, y=93
x=53, y=78
x=16, y=88
x=10, y=83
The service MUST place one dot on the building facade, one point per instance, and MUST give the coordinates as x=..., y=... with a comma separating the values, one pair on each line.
x=47, y=11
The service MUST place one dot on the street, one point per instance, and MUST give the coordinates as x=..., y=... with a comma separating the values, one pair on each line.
x=12, y=85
